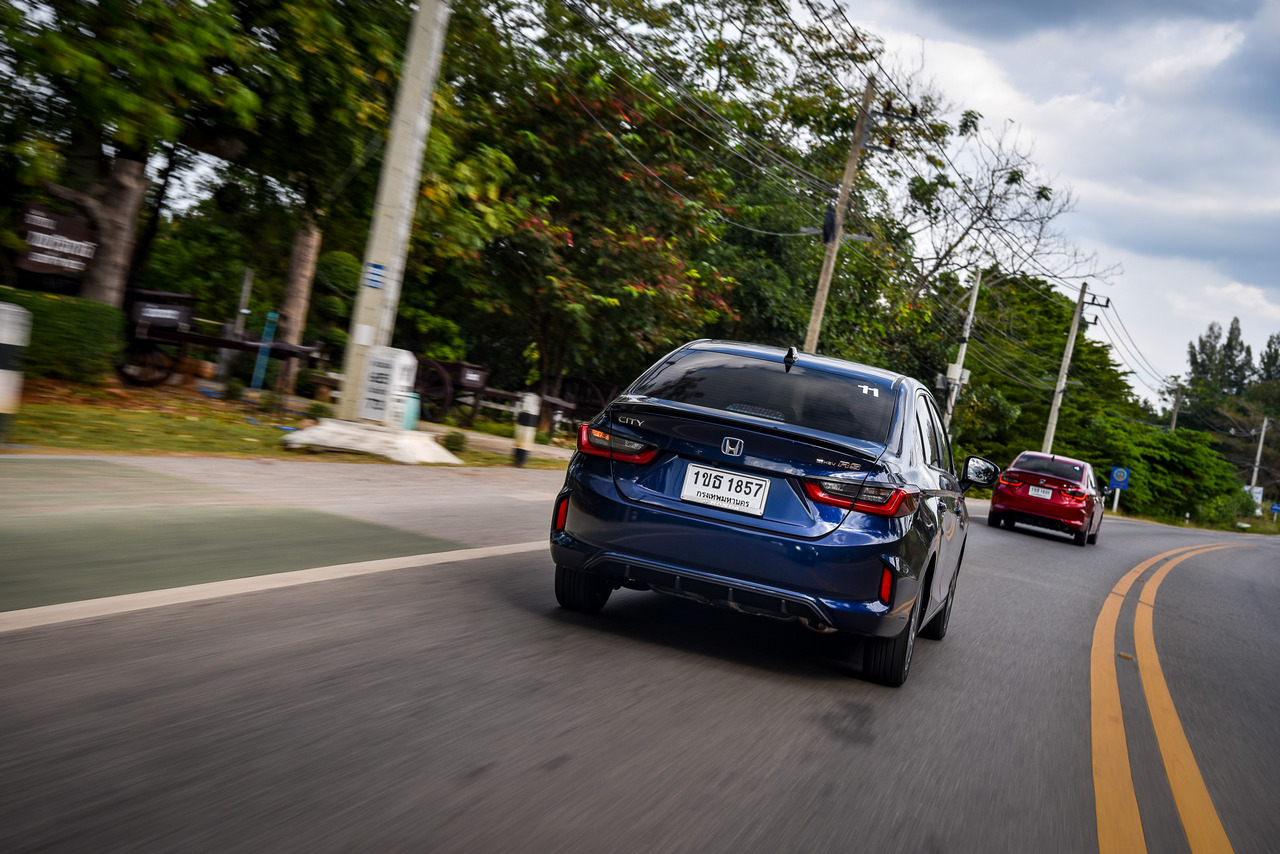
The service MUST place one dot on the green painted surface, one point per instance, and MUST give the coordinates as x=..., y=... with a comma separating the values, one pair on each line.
x=87, y=529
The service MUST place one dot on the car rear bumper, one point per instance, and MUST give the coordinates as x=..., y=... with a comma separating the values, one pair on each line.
x=833, y=581
x=1070, y=523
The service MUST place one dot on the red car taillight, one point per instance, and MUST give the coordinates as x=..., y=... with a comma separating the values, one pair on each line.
x=1074, y=494
x=600, y=443
x=1010, y=480
x=880, y=499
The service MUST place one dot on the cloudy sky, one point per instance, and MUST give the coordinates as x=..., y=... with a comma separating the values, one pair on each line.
x=1162, y=116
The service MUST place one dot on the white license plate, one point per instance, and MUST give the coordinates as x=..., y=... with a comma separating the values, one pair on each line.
x=725, y=489
x=1039, y=492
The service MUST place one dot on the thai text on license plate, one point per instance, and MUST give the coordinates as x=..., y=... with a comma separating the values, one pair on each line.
x=1039, y=492
x=725, y=489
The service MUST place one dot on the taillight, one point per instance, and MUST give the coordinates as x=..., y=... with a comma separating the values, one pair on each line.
x=1010, y=480
x=562, y=515
x=601, y=443
x=880, y=499
x=1073, y=494
x=886, y=585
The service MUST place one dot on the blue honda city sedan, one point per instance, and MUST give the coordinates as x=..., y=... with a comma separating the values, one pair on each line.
x=775, y=483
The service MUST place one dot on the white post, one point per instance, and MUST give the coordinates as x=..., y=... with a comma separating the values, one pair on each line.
x=526, y=426
x=15, y=333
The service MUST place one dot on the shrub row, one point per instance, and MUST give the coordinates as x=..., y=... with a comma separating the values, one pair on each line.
x=71, y=339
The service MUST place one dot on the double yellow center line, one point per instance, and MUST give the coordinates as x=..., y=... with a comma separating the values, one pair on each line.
x=1119, y=822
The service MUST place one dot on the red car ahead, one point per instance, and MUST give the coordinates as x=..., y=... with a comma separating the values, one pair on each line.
x=1049, y=491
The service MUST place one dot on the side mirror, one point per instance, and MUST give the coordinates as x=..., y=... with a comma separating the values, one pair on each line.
x=1107, y=491
x=978, y=471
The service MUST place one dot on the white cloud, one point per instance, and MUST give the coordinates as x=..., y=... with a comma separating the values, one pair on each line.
x=1191, y=55
x=1153, y=118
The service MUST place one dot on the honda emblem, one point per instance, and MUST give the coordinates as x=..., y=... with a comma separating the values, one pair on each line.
x=731, y=446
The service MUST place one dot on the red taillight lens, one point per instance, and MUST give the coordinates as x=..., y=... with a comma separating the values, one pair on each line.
x=880, y=499
x=601, y=443
x=1074, y=494
x=1010, y=480
x=886, y=585
x=562, y=515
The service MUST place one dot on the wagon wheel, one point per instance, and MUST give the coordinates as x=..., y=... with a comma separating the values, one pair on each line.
x=434, y=389
x=149, y=363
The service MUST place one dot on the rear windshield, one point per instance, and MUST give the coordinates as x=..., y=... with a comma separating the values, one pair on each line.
x=815, y=399
x=1055, y=468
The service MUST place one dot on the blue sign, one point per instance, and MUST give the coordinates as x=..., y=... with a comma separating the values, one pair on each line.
x=1119, y=478
x=1275, y=508
x=374, y=275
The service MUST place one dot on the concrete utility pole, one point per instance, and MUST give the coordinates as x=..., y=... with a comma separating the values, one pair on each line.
x=378, y=294
x=1257, y=459
x=1177, y=404
x=1047, y=446
x=846, y=185
x=953, y=389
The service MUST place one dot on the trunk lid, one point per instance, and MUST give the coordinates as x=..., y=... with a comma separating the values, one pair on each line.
x=745, y=471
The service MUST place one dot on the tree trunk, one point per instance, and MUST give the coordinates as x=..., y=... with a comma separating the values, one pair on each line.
x=113, y=209
x=297, y=295
x=117, y=221
x=142, y=247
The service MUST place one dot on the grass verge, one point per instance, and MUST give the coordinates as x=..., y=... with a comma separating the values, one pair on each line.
x=176, y=424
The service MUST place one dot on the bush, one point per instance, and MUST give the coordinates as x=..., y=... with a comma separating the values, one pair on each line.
x=71, y=339
x=234, y=390
x=319, y=410
x=454, y=441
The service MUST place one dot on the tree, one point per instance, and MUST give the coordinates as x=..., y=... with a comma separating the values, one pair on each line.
x=1220, y=367
x=105, y=84
x=326, y=76
x=984, y=204
x=592, y=255
x=1269, y=360
x=1015, y=352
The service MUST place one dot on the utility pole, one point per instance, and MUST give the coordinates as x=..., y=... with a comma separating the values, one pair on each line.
x=953, y=386
x=378, y=294
x=842, y=204
x=1047, y=446
x=1257, y=459
x=1177, y=404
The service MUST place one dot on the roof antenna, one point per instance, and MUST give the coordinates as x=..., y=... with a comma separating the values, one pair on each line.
x=790, y=359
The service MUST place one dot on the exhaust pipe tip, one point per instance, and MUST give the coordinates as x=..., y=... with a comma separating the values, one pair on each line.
x=815, y=626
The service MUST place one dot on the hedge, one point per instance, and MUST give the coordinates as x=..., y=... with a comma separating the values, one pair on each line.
x=71, y=339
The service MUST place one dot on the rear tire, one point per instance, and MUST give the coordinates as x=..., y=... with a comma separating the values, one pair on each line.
x=888, y=660
x=993, y=518
x=1082, y=536
x=581, y=591
x=1093, y=538
x=936, y=629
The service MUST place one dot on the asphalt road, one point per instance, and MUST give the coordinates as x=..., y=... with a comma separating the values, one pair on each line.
x=453, y=707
